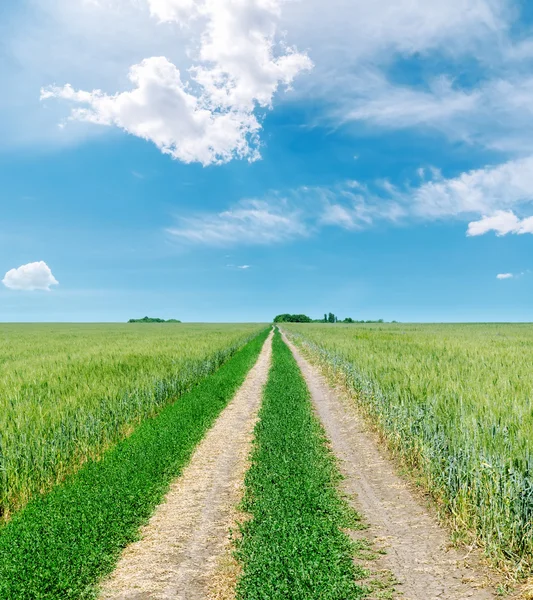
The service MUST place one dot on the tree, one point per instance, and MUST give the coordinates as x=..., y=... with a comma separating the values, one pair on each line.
x=287, y=318
x=331, y=318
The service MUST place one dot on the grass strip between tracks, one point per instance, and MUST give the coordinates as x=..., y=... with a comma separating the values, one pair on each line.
x=294, y=547
x=63, y=543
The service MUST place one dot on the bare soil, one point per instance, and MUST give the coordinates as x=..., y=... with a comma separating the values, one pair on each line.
x=417, y=551
x=182, y=546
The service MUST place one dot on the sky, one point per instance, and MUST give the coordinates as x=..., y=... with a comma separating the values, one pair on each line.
x=230, y=160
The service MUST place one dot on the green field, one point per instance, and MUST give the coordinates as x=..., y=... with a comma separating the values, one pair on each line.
x=61, y=544
x=455, y=403
x=67, y=392
x=96, y=421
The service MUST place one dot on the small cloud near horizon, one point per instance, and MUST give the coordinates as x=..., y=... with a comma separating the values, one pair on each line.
x=30, y=277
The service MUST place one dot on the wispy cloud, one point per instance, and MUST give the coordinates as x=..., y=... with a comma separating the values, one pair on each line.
x=296, y=214
x=381, y=103
x=248, y=222
x=513, y=275
x=356, y=77
x=493, y=194
x=241, y=267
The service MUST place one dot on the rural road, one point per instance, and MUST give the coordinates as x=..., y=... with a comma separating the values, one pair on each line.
x=417, y=549
x=181, y=546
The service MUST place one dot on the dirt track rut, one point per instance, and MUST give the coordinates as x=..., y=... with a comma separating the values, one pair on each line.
x=417, y=549
x=177, y=555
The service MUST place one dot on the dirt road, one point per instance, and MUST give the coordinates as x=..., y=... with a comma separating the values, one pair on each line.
x=178, y=553
x=417, y=549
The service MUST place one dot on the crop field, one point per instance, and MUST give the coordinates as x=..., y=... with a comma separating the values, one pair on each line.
x=153, y=458
x=455, y=403
x=63, y=542
x=68, y=392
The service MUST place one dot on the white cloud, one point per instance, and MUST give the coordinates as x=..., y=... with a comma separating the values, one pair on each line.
x=162, y=110
x=481, y=191
x=504, y=276
x=179, y=11
x=210, y=119
x=244, y=267
x=249, y=222
x=30, y=277
x=501, y=222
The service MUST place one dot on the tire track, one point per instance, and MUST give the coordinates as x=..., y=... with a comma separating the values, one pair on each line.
x=180, y=548
x=417, y=548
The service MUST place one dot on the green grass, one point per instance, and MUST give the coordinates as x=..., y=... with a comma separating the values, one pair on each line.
x=456, y=405
x=293, y=547
x=61, y=544
x=68, y=392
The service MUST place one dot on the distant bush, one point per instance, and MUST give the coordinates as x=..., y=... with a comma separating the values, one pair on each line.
x=292, y=319
x=153, y=320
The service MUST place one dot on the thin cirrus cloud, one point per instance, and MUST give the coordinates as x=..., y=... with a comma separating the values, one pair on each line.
x=30, y=277
x=251, y=222
x=210, y=118
x=355, y=79
x=276, y=218
x=241, y=267
x=492, y=194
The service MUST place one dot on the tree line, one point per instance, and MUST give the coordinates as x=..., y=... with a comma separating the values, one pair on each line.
x=153, y=320
x=328, y=318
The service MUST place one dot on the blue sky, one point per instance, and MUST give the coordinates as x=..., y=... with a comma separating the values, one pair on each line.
x=231, y=160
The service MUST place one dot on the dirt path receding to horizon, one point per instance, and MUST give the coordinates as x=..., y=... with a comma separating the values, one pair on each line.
x=178, y=553
x=417, y=550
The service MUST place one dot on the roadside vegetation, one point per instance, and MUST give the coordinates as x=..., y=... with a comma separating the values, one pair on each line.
x=294, y=546
x=455, y=404
x=68, y=392
x=62, y=543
